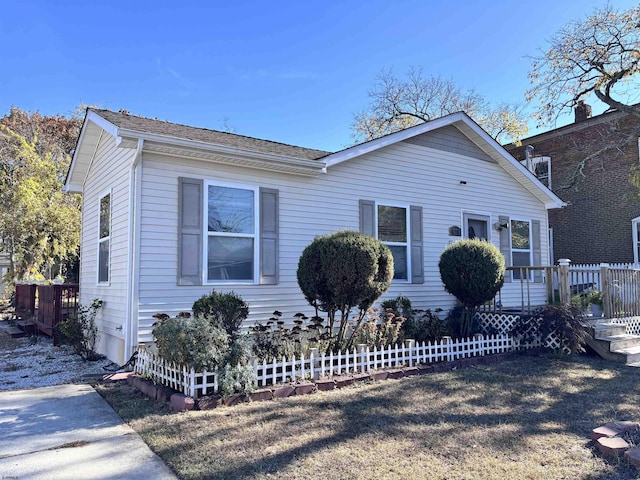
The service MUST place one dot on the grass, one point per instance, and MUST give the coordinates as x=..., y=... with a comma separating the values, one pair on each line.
x=523, y=419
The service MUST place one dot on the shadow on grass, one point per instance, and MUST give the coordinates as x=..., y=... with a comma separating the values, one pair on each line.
x=507, y=406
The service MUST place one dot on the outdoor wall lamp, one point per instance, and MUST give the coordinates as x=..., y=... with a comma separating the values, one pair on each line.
x=499, y=226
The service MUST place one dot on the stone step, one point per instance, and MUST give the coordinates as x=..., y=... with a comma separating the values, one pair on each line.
x=603, y=330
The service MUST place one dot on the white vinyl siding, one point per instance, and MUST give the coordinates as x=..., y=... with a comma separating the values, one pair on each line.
x=109, y=173
x=412, y=174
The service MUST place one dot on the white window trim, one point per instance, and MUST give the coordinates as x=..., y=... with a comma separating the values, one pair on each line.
x=537, y=160
x=255, y=235
x=520, y=250
x=466, y=214
x=107, y=238
x=635, y=224
x=406, y=244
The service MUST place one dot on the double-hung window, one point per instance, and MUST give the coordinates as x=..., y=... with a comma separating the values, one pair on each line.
x=231, y=233
x=521, y=251
x=104, y=239
x=393, y=230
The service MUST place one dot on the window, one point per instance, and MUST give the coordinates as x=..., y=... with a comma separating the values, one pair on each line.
x=392, y=230
x=231, y=244
x=476, y=226
x=635, y=224
x=520, y=245
x=104, y=239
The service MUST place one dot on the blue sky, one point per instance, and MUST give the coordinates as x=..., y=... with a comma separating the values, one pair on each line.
x=294, y=72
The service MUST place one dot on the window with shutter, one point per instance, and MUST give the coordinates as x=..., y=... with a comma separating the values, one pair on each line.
x=228, y=233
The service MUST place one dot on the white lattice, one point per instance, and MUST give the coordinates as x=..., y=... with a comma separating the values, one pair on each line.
x=632, y=323
x=501, y=323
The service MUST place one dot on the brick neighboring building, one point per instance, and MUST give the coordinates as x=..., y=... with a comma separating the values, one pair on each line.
x=600, y=222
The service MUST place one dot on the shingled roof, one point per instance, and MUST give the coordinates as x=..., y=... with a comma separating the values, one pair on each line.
x=215, y=137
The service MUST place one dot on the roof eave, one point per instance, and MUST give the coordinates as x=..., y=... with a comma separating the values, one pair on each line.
x=195, y=149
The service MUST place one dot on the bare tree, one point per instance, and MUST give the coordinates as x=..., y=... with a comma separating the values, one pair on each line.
x=398, y=103
x=596, y=56
x=599, y=55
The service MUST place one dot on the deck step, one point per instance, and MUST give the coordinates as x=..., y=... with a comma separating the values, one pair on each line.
x=620, y=342
x=604, y=330
x=27, y=326
x=632, y=354
x=15, y=332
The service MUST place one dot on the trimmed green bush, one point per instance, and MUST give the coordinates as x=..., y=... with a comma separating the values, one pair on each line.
x=223, y=310
x=191, y=341
x=473, y=271
x=342, y=271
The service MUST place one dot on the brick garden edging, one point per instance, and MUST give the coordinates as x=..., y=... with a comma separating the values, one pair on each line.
x=610, y=443
x=180, y=402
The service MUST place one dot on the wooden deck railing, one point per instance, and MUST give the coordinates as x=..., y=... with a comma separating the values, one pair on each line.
x=46, y=305
x=619, y=286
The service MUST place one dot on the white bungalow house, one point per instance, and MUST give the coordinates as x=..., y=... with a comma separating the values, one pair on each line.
x=171, y=212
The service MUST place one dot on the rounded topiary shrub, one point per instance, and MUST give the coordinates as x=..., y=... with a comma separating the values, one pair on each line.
x=223, y=310
x=473, y=271
x=344, y=270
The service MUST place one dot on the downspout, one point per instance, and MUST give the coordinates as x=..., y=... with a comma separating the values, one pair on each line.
x=131, y=330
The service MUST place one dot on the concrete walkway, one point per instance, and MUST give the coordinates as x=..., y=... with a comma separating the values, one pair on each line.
x=70, y=432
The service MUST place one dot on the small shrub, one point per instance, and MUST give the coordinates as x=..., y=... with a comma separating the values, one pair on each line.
x=342, y=271
x=274, y=340
x=240, y=350
x=80, y=330
x=223, y=310
x=473, y=271
x=237, y=379
x=426, y=326
x=379, y=332
x=194, y=341
x=565, y=321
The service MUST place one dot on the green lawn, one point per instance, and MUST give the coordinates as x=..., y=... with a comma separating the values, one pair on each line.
x=523, y=419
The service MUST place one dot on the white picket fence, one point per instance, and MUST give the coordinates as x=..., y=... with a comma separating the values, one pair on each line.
x=359, y=360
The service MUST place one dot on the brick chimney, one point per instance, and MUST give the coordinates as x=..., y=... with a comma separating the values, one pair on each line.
x=582, y=111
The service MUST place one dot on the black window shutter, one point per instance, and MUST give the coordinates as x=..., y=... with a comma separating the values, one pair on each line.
x=269, y=248
x=190, y=219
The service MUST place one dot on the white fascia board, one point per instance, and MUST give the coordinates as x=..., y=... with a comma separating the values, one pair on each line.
x=107, y=126
x=316, y=165
x=373, y=145
x=93, y=117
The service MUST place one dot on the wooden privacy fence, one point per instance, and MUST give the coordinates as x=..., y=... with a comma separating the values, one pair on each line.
x=46, y=305
x=362, y=359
